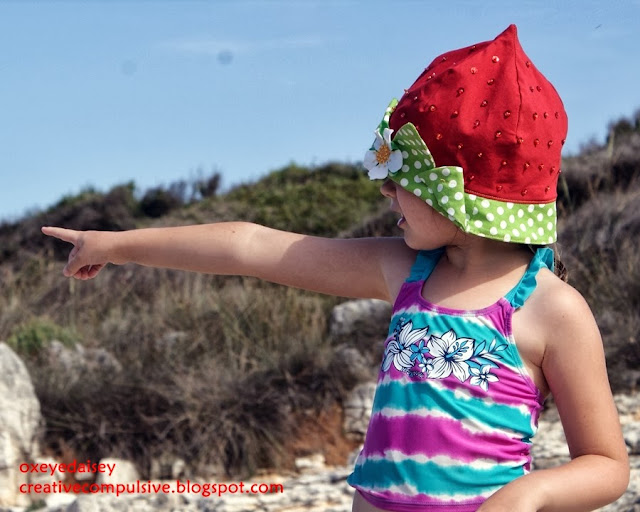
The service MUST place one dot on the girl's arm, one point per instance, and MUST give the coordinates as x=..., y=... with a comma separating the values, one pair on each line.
x=368, y=267
x=574, y=367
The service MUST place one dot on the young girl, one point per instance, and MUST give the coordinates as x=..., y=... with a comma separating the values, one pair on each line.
x=482, y=330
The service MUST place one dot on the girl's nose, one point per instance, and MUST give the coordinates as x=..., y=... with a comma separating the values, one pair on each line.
x=388, y=188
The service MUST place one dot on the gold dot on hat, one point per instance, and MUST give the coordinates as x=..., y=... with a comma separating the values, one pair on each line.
x=474, y=70
x=524, y=192
x=538, y=88
x=490, y=81
x=557, y=115
x=546, y=115
x=498, y=134
x=535, y=116
x=536, y=142
x=520, y=140
x=563, y=141
x=507, y=113
x=526, y=165
x=546, y=189
x=402, y=115
x=528, y=64
x=503, y=163
x=476, y=123
x=438, y=136
x=432, y=108
x=455, y=113
x=460, y=91
x=499, y=188
x=550, y=143
x=484, y=103
x=552, y=170
x=460, y=145
x=495, y=59
x=541, y=167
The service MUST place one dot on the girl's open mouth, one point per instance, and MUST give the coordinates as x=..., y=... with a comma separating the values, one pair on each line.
x=401, y=220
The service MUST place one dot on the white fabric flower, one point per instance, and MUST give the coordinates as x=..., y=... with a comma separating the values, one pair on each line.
x=482, y=377
x=381, y=160
x=450, y=355
x=399, y=351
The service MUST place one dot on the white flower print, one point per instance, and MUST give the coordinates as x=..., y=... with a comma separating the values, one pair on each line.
x=450, y=355
x=399, y=351
x=381, y=160
x=482, y=377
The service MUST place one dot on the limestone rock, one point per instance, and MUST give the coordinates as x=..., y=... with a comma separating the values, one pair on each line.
x=357, y=410
x=345, y=316
x=310, y=463
x=19, y=422
x=118, y=471
x=78, y=360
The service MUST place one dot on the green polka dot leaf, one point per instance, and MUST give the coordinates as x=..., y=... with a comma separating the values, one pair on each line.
x=442, y=188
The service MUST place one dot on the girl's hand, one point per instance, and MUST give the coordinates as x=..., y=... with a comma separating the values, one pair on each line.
x=89, y=254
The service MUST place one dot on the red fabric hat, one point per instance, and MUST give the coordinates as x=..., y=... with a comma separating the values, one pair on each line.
x=487, y=109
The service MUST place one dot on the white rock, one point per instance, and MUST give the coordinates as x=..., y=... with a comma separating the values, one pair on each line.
x=19, y=422
x=311, y=463
x=59, y=501
x=631, y=433
x=357, y=410
x=117, y=471
x=344, y=316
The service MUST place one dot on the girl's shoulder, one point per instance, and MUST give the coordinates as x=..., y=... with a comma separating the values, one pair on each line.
x=557, y=306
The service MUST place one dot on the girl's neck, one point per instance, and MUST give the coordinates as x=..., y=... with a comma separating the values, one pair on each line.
x=475, y=275
x=482, y=256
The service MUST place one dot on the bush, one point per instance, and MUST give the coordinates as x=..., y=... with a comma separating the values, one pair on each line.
x=30, y=338
x=601, y=254
x=229, y=368
x=157, y=202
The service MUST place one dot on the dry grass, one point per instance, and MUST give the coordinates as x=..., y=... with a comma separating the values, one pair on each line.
x=225, y=364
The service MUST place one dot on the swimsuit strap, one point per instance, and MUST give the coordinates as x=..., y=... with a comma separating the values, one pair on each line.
x=424, y=265
x=543, y=258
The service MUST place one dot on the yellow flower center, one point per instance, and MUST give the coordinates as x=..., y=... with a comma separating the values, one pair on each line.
x=383, y=154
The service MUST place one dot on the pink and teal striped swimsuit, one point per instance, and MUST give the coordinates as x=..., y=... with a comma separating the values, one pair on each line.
x=454, y=410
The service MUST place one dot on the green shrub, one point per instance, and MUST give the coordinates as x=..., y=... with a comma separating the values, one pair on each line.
x=28, y=339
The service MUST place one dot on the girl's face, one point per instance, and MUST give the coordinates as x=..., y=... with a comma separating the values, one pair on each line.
x=424, y=227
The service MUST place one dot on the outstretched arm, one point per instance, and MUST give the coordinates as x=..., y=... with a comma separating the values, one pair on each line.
x=574, y=367
x=369, y=267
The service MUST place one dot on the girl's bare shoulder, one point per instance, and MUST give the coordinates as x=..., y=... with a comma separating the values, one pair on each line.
x=559, y=307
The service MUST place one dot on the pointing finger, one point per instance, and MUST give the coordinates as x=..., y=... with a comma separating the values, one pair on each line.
x=68, y=235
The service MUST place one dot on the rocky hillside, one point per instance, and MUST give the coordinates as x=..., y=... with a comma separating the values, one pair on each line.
x=149, y=365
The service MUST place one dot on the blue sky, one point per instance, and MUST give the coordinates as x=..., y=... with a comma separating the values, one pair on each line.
x=97, y=93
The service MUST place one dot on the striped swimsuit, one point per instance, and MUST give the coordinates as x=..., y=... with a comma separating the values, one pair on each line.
x=454, y=410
